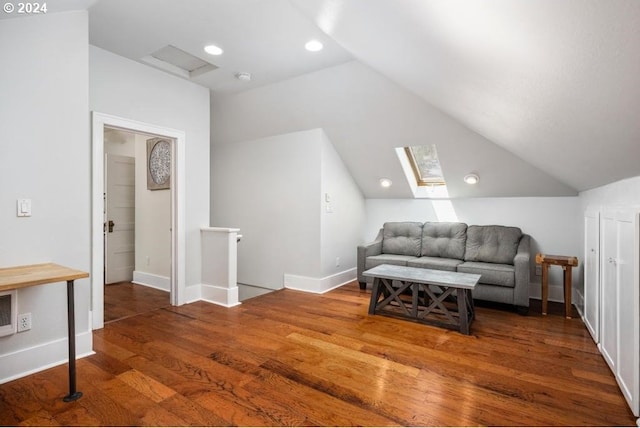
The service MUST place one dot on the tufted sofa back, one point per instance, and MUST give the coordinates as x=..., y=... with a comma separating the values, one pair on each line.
x=441, y=239
x=492, y=244
x=404, y=238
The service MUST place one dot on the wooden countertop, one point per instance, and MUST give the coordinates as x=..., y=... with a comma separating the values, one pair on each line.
x=12, y=278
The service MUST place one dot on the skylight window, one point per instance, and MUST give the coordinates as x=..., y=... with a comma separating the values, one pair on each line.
x=425, y=165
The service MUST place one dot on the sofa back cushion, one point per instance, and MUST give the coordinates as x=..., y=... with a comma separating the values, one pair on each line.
x=403, y=238
x=441, y=239
x=492, y=244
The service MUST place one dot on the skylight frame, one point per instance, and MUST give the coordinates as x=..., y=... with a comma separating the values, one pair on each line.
x=420, y=180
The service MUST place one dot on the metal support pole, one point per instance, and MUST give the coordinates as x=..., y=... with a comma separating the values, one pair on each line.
x=71, y=324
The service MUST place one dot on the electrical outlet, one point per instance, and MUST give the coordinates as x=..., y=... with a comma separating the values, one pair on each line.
x=337, y=261
x=24, y=322
x=538, y=270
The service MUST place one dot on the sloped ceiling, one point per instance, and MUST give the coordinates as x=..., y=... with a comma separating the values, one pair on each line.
x=366, y=116
x=554, y=84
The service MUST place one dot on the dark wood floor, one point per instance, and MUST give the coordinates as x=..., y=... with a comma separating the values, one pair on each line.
x=291, y=358
x=124, y=299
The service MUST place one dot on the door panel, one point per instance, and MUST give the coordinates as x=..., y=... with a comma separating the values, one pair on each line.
x=608, y=326
x=120, y=213
x=592, y=274
x=628, y=346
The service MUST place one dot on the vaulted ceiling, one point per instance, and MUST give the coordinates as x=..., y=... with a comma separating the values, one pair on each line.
x=550, y=86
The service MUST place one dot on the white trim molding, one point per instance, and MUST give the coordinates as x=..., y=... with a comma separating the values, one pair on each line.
x=222, y=296
x=319, y=285
x=43, y=356
x=150, y=280
x=178, y=190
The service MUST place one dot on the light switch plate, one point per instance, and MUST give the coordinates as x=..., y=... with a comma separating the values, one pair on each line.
x=24, y=207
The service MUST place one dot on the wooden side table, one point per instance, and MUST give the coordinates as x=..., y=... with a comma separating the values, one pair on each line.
x=567, y=262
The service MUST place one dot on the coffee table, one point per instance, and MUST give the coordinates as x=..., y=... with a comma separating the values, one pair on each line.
x=423, y=295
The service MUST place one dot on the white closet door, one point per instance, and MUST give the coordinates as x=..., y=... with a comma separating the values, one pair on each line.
x=592, y=272
x=628, y=366
x=609, y=291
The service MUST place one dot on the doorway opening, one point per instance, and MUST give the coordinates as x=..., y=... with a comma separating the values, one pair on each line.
x=175, y=279
x=137, y=223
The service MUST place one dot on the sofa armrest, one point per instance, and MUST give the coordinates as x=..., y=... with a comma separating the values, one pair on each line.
x=365, y=250
x=523, y=268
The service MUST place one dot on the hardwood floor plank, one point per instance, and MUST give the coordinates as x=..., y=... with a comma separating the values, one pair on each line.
x=41, y=418
x=192, y=412
x=293, y=358
x=125, y=299
x=150, y=388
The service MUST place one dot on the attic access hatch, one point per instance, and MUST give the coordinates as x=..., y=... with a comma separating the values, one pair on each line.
x=179, y=62
x=423, y=171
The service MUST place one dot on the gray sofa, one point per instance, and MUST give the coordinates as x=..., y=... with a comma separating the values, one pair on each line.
x=500, y=254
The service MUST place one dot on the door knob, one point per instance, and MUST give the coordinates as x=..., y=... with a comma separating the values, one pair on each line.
x=111, y=224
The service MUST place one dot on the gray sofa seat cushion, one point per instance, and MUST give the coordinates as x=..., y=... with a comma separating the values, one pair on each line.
x=503, y=275
x=442, y=239
x=387, y=259
x=404, y=238
x=492, y=244
x=438, y=263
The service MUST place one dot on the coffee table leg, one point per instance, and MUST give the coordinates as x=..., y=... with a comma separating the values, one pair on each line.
x=463, y=314
x=375, y=290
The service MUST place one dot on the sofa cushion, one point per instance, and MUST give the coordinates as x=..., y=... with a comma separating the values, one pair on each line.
x=438, y=263
x=503, y=275
x=492, y=244
x=387, y=259
x=442, y=239
x=403, y=238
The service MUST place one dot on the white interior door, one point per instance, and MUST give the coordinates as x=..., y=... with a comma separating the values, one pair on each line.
x=609, y=290
x=119, y=218
x=627, y=367
x=592, y=273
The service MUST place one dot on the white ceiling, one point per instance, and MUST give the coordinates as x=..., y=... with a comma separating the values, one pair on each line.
x=554, y=82
x=264, y=38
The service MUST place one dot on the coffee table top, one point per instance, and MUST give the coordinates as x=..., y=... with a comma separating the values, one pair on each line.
x=424, y=276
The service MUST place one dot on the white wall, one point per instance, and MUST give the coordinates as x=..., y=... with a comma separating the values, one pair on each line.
x=274, y=189
x=553, y=223
x=45, y=156
x=127, y=89
x=153, y=220
x=269, y=189
x=624, y=192
x=341, y=229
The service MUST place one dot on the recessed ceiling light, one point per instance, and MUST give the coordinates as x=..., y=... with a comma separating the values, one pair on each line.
x=385, y=182
x=313, y=46
x=213, y=50
x=471, y=178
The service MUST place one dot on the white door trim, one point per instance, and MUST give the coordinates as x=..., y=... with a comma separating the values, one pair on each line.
x=178, y=257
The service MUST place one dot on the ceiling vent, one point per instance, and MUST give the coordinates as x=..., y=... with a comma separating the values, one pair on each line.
x=177, y=61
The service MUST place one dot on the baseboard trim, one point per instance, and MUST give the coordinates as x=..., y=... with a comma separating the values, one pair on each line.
x=151, y=280
x=43, y=356
x=319, y=285
x=227, y=297
x=192, y=293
